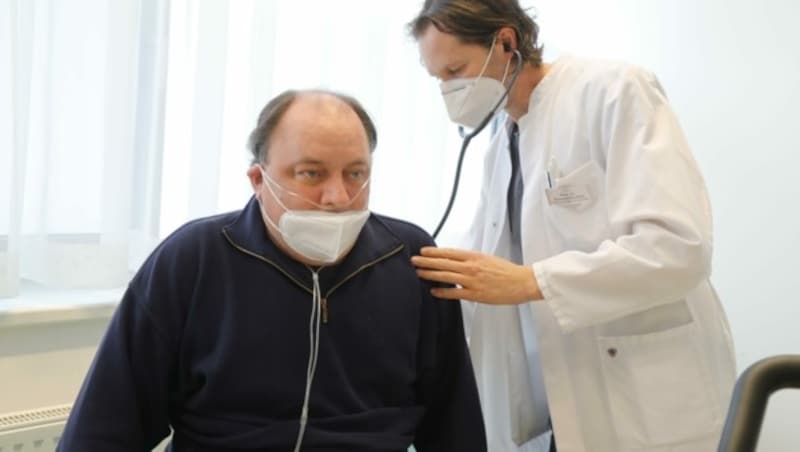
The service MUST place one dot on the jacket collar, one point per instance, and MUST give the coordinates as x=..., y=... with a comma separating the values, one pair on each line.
x=248, y=234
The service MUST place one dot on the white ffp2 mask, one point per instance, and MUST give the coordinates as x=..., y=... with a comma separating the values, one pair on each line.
x=470, y=100
x=318, y=235
x=321, y=236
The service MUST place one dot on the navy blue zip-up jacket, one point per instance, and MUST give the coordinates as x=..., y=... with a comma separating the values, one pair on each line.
x=212, y=340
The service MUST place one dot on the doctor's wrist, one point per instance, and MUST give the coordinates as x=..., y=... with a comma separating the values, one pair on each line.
x=531, y=285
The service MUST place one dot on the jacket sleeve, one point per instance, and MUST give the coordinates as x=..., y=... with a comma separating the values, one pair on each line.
x=446, y=385
x=658, y=213
x=123, y=403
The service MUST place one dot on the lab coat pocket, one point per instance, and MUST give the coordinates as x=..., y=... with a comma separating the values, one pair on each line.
x=660, y=389
x=576, y=207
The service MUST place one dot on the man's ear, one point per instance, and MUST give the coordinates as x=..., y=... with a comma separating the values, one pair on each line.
x=256, y=179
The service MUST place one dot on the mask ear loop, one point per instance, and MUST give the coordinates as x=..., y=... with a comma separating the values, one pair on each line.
x=269, y=182
x=505, y=73
x=488, y=57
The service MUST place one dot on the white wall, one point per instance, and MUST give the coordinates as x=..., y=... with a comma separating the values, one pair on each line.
x=43, y=361
x=43, y=364
x=732, y=71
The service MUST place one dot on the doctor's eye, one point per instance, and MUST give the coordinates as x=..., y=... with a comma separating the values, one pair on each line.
x=454, y=71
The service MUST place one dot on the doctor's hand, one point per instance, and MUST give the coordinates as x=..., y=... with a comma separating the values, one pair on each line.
x=479, y=277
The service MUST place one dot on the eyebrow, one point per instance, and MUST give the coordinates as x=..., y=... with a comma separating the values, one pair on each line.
x=310, y=161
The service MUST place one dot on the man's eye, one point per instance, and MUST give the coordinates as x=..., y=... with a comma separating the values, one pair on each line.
x=454, y=71
x=308, y=174
x=358, y=175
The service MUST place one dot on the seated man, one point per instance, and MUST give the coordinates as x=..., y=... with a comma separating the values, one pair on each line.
x=297, y=323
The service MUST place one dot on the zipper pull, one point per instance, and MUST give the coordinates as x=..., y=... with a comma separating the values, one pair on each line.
x=324, y=303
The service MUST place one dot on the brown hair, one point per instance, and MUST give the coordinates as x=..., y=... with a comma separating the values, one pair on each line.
x=477, y=21
x=272, y=113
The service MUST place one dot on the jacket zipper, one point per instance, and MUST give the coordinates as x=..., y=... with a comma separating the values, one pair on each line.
x=351, y=276
x=264, y=259
x=324, y=301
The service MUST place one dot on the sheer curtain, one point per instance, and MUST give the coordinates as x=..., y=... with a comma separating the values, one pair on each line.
x=81, y=83
x=122, y=119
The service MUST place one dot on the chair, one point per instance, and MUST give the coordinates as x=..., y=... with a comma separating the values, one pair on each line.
x=753, y=389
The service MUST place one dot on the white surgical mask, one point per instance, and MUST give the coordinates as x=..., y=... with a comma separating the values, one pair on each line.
x=318, y=235
x=470, y=100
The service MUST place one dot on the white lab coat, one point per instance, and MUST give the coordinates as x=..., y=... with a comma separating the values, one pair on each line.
x=634, y=345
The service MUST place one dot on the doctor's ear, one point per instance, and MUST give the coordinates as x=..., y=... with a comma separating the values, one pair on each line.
x=508, y=38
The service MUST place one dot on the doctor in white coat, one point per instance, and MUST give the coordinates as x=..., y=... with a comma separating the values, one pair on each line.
x=592, y=324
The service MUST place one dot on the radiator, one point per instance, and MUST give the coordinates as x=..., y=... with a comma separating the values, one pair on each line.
x=33, y=430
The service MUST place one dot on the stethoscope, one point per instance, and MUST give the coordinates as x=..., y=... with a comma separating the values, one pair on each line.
x=467, y=137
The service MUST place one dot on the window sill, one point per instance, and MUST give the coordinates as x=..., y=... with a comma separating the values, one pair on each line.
x=41, y=305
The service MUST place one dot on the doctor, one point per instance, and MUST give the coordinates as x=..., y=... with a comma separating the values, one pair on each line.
x=592, y=309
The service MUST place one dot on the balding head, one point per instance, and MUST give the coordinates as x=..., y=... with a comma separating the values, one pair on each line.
x=315, y=106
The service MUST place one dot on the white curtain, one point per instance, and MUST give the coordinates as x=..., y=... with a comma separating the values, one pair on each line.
x=122, y=119
x=80, y=84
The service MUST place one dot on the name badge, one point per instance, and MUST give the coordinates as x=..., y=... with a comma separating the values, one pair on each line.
x=572, y=196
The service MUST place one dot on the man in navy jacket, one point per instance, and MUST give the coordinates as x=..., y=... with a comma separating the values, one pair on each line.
x=297, y=323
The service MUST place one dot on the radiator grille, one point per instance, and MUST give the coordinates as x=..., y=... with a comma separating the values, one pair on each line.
x=32, y=418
